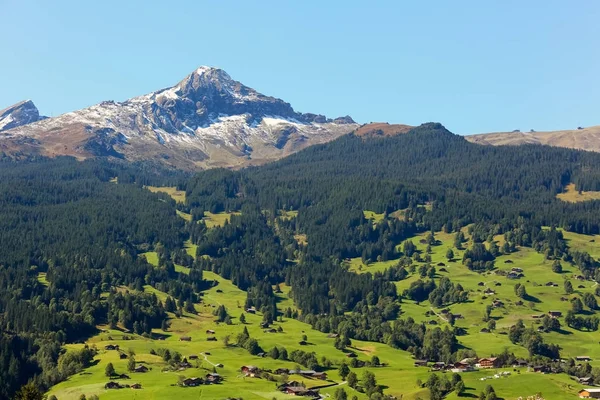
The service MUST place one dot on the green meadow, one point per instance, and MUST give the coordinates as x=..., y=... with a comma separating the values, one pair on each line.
x=398, y=377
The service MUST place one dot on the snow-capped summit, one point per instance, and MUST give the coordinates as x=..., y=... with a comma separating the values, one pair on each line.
x=22, y=113
x=207, y=119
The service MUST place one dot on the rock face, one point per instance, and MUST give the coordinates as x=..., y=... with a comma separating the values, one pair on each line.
x=20, y=114
x=206, y=120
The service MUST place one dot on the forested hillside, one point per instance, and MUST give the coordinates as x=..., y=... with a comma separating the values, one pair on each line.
x=85, y=246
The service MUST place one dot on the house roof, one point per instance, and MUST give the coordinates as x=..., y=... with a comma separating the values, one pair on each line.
x=590, y=390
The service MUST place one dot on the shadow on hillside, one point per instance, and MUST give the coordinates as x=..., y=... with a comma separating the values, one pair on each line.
x=563, y=332
x=531, y=298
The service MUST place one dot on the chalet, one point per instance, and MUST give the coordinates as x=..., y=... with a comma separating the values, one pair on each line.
x=263, y=355
x=420, y=363
x=213, y=378
x=210, y=332
x=300, y=391
x=219, y=291
x=519, y=362
x=136, y=386
x=555, y=314
x=219, y=365
x=185, y=339
x=193, y=357
x=580, y=278
x=111, y=347
x=490, y=362
x=583, y=358
x=481, y=284
x=589, y=393
x=251, y=310
x=333, y=335
x=211, y=339
x=271, y=330
x=508, y=262
x=484, y=330
x=461, y=367
x=122, y=356
x=113, y=385
x=249, y=370
x=550, y=283
x=489, y=292
x=580, y=287
x=124, y=376
x=441, y=264
x=319, y=375
x=302, y=343
x=351, y=355
x=140, y=368
x=192, y=382
x=294, y=384
x=497, y=284
x=517, y=270
x=585, y=381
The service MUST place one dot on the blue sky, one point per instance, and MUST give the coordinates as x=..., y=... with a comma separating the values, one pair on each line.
x=475, y=66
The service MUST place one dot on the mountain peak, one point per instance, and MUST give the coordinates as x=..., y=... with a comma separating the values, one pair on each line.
x=19, y=114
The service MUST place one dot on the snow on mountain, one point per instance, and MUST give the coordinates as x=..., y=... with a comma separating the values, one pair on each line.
x=206, y=120
x=22, y=113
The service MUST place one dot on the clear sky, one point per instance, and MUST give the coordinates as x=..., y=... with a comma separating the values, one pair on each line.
x=475, y=66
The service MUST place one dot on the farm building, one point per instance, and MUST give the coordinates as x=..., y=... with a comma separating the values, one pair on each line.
x=140, y=368
x=192, y=382
x=136, y=386
x=185, y=339
x=111, y=347
x=210, y=332
x=213, y=378
x=583, y=358
x=555, y=314
x=112, y=385
x=420, y=363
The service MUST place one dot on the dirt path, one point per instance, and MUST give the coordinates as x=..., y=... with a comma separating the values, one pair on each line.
x=207, y=360
x=439, y=315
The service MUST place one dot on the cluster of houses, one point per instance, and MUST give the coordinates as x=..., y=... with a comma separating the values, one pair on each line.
x=515, y=273
x=210, y=378
x=467, y=364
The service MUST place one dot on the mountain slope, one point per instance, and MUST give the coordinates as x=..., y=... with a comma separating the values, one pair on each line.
x=206, y=120
x=584, y=139
x=22, y=113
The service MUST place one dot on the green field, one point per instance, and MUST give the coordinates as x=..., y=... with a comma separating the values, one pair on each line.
x=572, y=195
x=211, y=220
x=177, y=195
x=398, y=377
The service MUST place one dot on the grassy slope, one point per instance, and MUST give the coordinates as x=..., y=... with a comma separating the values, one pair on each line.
x=398, y=378
x=177, y=195
x=572, y=195
x=219, y=219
